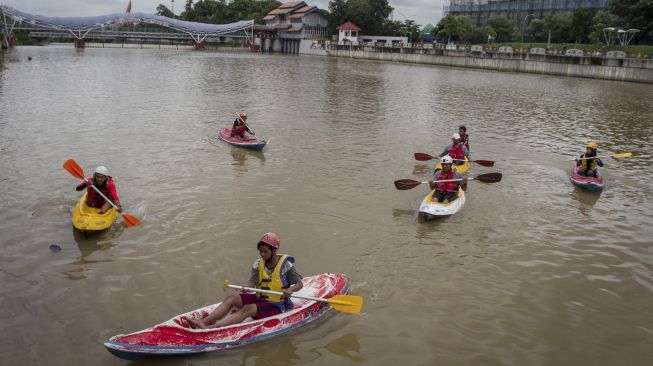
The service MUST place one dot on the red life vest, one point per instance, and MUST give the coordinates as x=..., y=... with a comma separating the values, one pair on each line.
x=447, y=186
x=456, y=151
x=95, y=200
x=239, y=131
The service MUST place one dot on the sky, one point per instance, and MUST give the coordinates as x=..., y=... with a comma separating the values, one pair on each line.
x=422, y=11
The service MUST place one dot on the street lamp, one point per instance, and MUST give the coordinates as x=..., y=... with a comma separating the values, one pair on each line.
x=607, y=34
x=173, y=7
x=625, y=36
x=522, y=27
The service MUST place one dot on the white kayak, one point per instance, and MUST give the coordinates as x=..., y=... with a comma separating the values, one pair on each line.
x=431, y=209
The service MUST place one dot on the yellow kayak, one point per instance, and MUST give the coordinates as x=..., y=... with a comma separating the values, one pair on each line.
x=459, y=168
x=88, y=219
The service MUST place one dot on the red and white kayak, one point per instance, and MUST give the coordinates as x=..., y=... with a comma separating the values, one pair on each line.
x=254, y=144
x=586, y=183
x=175, y=337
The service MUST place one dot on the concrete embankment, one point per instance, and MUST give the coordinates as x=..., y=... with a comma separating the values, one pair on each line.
x=633, y=70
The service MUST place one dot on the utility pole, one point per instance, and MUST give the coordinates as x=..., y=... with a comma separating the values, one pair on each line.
x=173, y=7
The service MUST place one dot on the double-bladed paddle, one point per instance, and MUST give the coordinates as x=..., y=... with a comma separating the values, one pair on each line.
x=404, y=184
x=76, y=171
x=615, y=156
x=346, y=303
x=425, y=157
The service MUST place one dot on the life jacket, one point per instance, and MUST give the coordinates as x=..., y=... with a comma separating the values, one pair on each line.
x=588, y=164
x=273, y=282
x=456, y=151
x=447, y=186
x=239, y=130
x=95, y=200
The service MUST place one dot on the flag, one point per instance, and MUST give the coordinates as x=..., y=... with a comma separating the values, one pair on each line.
x=129, y=7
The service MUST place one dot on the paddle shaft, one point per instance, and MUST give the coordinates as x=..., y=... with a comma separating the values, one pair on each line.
x=446, y=180
x=597, y=157
x=243, y=288
x=105, y=197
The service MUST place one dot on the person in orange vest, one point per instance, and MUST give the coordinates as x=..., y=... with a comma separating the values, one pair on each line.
x=446, y=192
x=588, y=161
x=456, y=150
x=272, y=271
x=240, y=126
x=104, y=182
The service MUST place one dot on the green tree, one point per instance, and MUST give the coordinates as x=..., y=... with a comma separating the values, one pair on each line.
x=602, y=20
x=561, y=28
x=505, y=28
x=370, y=15
x=537, y=30
x=188, y=14
x=581, y=24
x=164, y=11
x=636, y=14
x=455, y=26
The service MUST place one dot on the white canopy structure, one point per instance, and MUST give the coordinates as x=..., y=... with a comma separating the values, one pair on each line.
x=79, y=27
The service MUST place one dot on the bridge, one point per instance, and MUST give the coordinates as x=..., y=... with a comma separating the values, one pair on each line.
x=108, y=27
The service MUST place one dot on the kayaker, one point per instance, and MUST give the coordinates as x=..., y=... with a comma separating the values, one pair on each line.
x=464, y=137
x=446, y=192
x=240, y=126
x=273, y=272
x=588, y=162
x=102, y=181
x=456, y=150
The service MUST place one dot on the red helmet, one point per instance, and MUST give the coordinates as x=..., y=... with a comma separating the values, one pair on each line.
x=271, y=239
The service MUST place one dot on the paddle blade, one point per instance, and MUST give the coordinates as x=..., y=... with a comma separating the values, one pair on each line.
x=347, y=303
x=489, y=163
x=404, y=184
x=423, y=156
x=489, y=177
x=622, y=155
x=74, y=169
x=130, y=220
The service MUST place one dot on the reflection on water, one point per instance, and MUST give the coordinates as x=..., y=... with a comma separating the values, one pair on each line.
x=279, y=351
x=586, y=197
x=421, y=169
x=347, y=346
x=240, y=155
x=89, y=243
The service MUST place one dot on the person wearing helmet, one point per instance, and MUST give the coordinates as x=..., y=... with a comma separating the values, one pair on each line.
x=104, y=183
x=272, y=271
x=464, y=137
x=240, y=126
x=446, y=192
x=588, y=161
x=456, y=150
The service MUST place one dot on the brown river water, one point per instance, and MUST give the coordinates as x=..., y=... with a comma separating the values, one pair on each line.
x=531, y=271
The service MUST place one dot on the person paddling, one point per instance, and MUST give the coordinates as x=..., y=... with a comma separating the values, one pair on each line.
x=464, y=137
x=272, y=271
x=589, y=162
x=240, y=126
x=103, y=182
x=456, y=150
x=446, y=192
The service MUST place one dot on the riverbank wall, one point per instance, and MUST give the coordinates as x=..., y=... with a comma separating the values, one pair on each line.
x=617, y=69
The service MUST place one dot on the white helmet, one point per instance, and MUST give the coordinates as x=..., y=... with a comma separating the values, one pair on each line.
x=102, y=170
x=455, y=136
x=446, y=160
